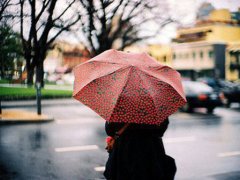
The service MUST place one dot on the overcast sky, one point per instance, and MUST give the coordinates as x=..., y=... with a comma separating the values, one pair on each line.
x=233, y=5
x=186, y=10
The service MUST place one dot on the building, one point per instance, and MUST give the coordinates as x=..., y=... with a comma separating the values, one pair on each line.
x=233, y=61
x=210, y=48
x=75, y=56
x=65, y=55
x=162, y=53
x=199, y=59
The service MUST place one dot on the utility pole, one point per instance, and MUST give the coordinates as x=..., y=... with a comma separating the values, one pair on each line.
x=38, y=96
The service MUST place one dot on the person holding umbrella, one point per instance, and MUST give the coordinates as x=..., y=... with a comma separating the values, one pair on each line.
x=138, y=153
x=135, y=95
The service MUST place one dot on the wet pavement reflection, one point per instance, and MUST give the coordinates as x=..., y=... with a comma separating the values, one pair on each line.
x=203, y=145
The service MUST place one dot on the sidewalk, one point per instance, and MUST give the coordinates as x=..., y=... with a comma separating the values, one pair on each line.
x=22, y=116
x=14, y=111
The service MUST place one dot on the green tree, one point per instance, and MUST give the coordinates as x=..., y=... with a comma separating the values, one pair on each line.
x=10, y=50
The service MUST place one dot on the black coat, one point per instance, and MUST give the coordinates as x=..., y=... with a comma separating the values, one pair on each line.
x=139, y=154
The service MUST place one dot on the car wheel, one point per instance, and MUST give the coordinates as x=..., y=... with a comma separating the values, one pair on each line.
x=210, y=110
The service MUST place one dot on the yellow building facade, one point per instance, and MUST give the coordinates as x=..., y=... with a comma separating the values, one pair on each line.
x=212, y=33
x=233, y=61
x=219, y=35
x=162, y=53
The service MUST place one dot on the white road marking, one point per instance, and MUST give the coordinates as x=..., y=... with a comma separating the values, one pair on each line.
x=229, y=154
x=76, y=148
x=100, y=168
x=95, y=147
x=179, y=139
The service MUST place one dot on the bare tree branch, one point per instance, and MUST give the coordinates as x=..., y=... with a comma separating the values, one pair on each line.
x=3, y=5
x=63, y=28
x=44, y=27
x=44, y=6
x=66, y=9
x=107, y=21
x=115, y=9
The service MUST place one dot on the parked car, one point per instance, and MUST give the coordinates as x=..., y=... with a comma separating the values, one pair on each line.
x=232, y=95
x=216, y=84
x=199, y=94
x=231, y=91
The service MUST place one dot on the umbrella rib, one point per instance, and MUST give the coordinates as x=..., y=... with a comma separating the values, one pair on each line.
x=125, y=84
x=162, y=81
x=149, y=91
x=121, y=68
x=103, y=61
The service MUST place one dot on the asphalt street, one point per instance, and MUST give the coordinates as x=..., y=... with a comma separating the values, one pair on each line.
x=72, y=147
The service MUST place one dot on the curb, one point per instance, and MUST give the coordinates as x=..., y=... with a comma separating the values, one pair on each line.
x=14, y=116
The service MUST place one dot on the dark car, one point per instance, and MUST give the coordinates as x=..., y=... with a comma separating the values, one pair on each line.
x=199, y=94
x=231, y=94
x=231, y=91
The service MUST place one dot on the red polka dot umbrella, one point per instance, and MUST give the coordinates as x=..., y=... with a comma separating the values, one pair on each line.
x=128, y=87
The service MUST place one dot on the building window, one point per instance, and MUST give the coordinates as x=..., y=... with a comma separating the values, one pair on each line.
x=210, y=54
x=194, y=55
x=174, y=56
x=164, y=59
x=201, y=54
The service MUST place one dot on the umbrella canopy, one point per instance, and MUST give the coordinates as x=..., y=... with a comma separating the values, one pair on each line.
x=128, y=87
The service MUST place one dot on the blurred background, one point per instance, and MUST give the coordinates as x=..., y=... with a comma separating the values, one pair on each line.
x=41, y=41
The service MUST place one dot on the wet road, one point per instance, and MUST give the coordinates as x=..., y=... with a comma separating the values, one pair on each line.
x=72, y=147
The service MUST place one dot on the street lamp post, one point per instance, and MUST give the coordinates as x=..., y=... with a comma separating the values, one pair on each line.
x=38, y=96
